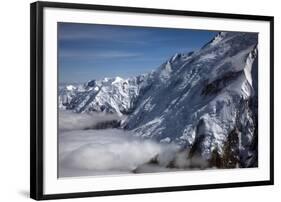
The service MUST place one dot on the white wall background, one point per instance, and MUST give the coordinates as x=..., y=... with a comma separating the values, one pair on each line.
x=14, y=100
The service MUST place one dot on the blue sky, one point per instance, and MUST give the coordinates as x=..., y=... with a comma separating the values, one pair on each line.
x=91, y=51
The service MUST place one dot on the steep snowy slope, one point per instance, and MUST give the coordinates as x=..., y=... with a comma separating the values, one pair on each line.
x=199, y=99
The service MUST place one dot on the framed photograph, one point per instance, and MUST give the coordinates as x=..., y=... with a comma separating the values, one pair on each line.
x=131, y=100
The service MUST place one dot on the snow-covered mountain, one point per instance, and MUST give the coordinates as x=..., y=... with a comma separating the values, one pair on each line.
x=205, y=101
x=111, y=95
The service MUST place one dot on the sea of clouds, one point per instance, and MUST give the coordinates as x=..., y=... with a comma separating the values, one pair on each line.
x=84, y=152
x=79, y=121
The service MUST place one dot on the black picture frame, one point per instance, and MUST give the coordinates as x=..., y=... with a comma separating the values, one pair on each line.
x=36, y=98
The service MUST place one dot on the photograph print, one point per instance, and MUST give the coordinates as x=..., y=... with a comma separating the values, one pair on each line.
x=137, y=99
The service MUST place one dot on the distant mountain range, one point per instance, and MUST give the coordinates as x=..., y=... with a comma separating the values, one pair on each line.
x=206, y=101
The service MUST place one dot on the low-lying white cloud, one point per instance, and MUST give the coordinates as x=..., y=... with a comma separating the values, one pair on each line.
x=77, y=121
x=110, y=151
x=92, y=152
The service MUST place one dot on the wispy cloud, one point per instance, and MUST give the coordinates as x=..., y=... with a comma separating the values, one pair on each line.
x=97, y=54
x=102, y=33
